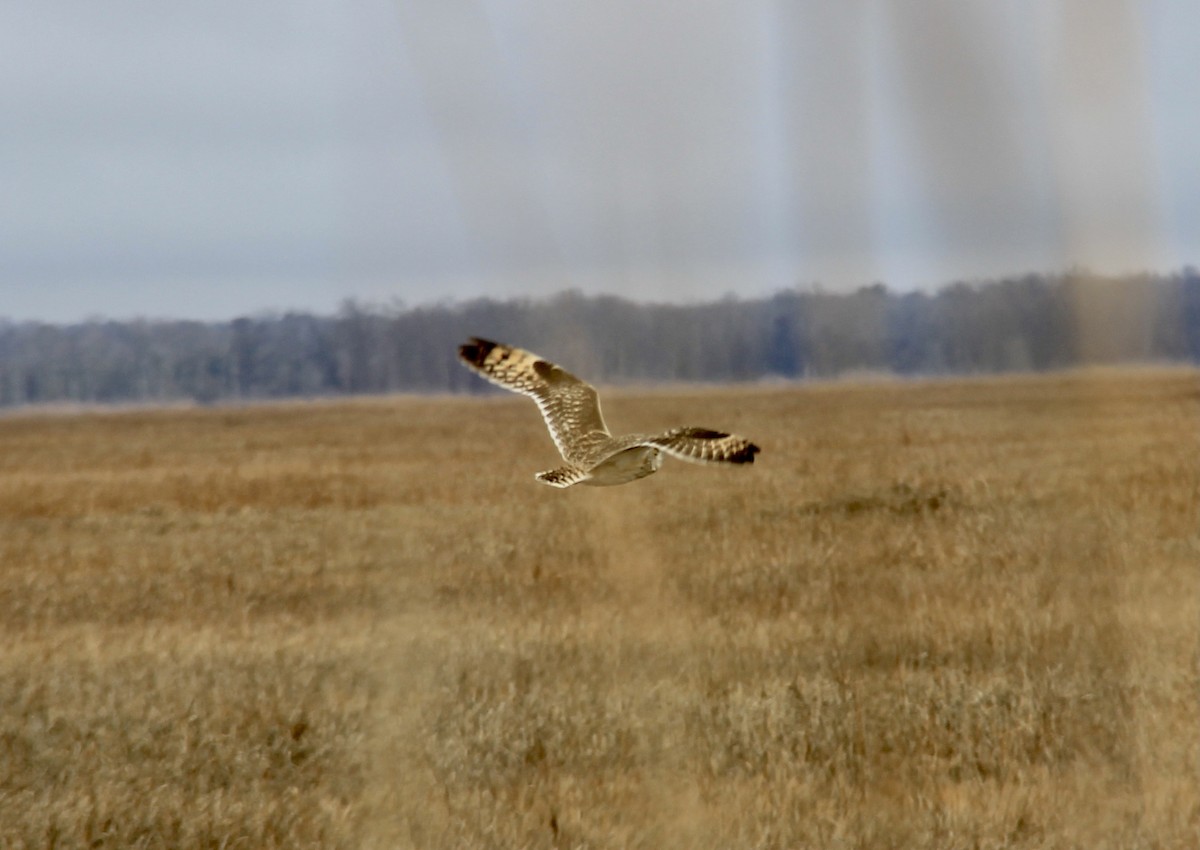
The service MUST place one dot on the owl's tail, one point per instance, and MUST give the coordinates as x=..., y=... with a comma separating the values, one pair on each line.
x=564, y=476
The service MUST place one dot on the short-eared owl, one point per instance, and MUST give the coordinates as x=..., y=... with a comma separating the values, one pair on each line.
x=572, y=413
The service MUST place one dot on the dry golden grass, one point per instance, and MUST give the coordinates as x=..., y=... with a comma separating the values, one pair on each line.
x=949, y=614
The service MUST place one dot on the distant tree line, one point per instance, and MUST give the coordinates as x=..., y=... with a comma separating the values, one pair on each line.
x=1035, y=322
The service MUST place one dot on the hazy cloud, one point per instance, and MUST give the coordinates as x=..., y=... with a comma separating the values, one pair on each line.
x=224, y=158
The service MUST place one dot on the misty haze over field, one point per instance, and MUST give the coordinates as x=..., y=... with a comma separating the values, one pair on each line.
x=222, y=159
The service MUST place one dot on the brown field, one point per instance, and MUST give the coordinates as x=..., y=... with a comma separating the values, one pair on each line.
x=945, y=614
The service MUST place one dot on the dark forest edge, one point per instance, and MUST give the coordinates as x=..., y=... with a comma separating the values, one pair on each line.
x=1028, y=323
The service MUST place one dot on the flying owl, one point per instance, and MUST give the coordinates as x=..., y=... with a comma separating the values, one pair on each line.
x=571, y=409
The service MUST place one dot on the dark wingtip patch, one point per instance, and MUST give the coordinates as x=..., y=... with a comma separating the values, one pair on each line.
x=745, y=454
x=476, y=350
x=547, y=371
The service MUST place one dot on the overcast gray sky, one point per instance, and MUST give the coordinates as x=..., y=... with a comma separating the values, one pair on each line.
x=222, y=158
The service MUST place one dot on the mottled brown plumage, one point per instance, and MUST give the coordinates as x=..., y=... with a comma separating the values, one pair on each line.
x=571, y=409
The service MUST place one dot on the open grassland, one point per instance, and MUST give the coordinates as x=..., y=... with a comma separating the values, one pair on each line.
x=948, y=614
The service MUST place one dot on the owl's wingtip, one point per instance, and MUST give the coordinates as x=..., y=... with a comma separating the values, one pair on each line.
x=474, y=351
x=744, y=453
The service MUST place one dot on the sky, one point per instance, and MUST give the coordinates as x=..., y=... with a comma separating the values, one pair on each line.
x=216, y=159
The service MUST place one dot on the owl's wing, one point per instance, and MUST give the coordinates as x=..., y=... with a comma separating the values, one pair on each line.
x=700, y=445
x=570, y=406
